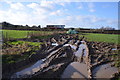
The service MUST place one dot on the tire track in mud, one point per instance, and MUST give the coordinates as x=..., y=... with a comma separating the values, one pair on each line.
x=61, y=55
x=101, y=61
x=55, y=48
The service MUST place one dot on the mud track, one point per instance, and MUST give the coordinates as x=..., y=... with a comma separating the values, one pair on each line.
x=57, y=57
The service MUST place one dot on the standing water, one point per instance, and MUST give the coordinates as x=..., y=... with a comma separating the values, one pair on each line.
x=104, y=71
x=32, y=69
x=28, y=71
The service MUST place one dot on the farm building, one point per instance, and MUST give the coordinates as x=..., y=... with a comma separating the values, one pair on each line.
x=55, y=26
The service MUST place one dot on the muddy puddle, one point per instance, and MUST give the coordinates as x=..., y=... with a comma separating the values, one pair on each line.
x=75, y=70
x=28, y=71
x=79, y=70
x=104, y=71
x=32, y=69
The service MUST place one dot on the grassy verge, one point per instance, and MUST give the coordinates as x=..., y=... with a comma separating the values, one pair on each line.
x=109, y=38
x=18, y=50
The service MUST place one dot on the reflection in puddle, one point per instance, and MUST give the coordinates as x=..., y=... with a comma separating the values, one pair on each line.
x=80, y=51
x=54, y=44
x=75, y=70
x=104, y=71
x=114, y=49
x=31, y=70
x=72, y=46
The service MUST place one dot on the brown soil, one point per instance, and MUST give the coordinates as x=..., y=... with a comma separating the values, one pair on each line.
x=100, y=53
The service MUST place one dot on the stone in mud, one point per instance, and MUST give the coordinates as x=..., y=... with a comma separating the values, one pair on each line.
x=75, y=70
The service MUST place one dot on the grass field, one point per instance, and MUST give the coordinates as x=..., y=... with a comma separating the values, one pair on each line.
x=109, y=38
x=20, y=33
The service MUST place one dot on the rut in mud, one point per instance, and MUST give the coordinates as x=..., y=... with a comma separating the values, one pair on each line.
x=59, y=54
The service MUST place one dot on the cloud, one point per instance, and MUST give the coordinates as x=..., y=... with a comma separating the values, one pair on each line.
x=62, y=4
x=31, y=14
x=91, y=7
x=106, y=6
x=48, y=4
x=42, y=14
x=33, y=5
x=57, y=13
x=37, y=9
x=86, y=21
x=80, y=6
x=112, y=21
x=91, y=10
x=14, y=17
x=17, y=6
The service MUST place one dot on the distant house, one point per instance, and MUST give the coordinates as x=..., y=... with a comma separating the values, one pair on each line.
x=55, y=26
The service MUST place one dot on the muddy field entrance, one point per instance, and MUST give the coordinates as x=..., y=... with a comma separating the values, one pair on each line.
x=64, y=54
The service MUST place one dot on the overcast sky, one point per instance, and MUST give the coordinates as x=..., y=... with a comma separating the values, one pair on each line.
x=71, y=14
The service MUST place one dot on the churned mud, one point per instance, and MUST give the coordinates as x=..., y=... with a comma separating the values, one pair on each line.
x=68, y=56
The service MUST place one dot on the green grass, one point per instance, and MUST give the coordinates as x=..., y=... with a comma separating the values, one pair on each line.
x=12, y=58
x=109, y=38
x=21, y=34
x=24, y=42
x=15, y=33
